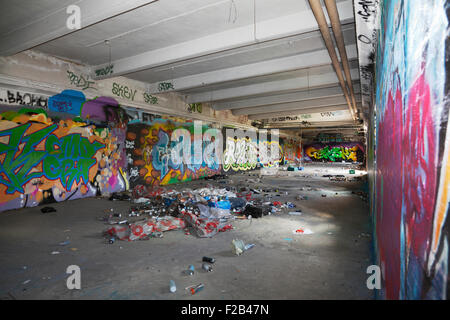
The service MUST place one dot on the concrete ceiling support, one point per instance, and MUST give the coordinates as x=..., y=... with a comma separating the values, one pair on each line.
x=323, y=26
x=298, y=105
x=309, y=125
x=54, y=25
x=279, y=98
x=271, y=87
x=301, y=61
x=297, y=112
x=266, y=30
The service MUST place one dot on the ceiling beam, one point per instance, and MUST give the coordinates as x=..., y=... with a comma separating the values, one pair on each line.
x=309, y=125
x=266, y=30
x=54, y=25
x=273, y=66
x=279, y=98
x=272, y=87
x=298, y=105
x=296, y=112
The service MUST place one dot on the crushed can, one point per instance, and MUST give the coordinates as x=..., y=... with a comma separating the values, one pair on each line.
x=196, y=288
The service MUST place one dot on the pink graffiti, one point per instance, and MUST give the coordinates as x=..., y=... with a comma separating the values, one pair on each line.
x=406, y=181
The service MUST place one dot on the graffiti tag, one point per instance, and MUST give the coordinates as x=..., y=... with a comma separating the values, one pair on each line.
x=80, y=81
x=123, y=91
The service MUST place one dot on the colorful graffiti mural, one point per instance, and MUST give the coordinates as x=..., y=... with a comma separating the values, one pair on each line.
x=348, y=152
x=248, y=149
x=270, y=153
x=44, y=160
x=240, y=154
x=169, y=152
x=292, y=151
x=411, y=150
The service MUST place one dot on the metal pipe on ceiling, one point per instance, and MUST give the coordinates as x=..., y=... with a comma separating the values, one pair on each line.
x=323, y=26
x=333, y=14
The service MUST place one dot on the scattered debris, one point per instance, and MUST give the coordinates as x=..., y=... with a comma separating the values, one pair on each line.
x=172, y=286
x=302, y=231
x=207, y=267
x=191, y=270
x=48, y=209
x=208, y=259
x=196, y=288
x=120, y=196
x=295, y=213
x=238, y=246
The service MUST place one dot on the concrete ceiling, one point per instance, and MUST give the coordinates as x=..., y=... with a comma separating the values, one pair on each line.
x=254, y=57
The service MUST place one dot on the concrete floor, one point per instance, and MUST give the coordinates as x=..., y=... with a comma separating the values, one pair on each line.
x=329, y=264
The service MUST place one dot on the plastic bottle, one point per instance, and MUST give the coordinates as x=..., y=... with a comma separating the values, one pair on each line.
x=249, y=246
x=173, y=287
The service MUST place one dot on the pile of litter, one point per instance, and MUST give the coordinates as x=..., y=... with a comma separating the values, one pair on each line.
x=202, y=212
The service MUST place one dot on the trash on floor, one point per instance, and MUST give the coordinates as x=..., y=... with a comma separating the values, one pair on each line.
x=121, y=196
x=238, y=246
x=208, y=259
x=207, y=267
x=196, y=288
x=48, y=209
x=143, y=230
x=302, y=231
x=172, y=286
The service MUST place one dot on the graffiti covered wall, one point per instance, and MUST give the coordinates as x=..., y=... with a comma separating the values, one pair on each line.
x=412, y=173
x=248, y=150
x=334, y=152
x=167, y=151
x=45, y=160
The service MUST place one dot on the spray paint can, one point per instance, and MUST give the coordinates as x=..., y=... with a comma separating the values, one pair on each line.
x=207, y=267
x=197, y=288
x=191, y=270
